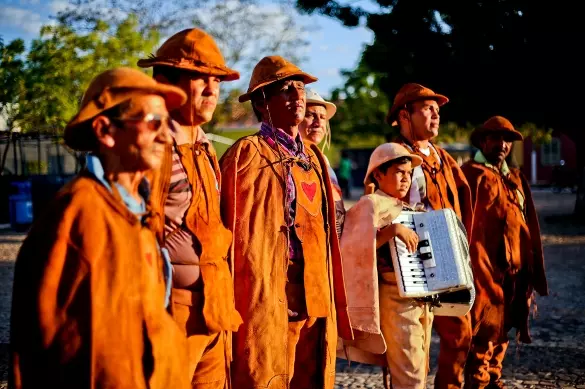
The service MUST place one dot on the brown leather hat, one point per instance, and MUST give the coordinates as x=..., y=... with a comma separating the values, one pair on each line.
x=495, y=124
x=409, y=93
x=271, y=69
x=109, y=89
x=194, y=50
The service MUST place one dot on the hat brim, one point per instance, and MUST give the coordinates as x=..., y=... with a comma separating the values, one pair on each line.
x=306, y=78
x=224, y=72
x=78, y=134
x=330, y=108
x=415, y=161
x=479, y=133
x=392, y=120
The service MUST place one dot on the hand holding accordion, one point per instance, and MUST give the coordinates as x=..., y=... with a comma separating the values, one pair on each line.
x=440, y=266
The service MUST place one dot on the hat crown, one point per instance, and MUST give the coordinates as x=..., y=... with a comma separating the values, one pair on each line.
x=496, y=123
x=192, y=44
x=118, y=78
x=388, y=152
x=411, y=92
x=270, y=68
x=312, y=95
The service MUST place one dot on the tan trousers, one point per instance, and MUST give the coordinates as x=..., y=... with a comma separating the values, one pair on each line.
x=207, y=352
x=305, y=353
x=406, y=326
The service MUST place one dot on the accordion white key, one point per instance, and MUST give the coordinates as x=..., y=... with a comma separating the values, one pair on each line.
x=441, y=264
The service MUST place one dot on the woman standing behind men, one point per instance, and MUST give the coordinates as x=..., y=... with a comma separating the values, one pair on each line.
x=314, y=129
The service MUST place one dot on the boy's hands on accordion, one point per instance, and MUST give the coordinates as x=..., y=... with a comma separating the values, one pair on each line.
x=405, y=234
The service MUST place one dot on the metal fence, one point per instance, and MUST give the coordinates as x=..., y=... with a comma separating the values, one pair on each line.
x=37, y=157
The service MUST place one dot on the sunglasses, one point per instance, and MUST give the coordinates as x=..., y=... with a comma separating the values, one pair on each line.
x=154, y=121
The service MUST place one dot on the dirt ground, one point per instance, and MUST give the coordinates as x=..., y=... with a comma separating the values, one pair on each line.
x=556, y=358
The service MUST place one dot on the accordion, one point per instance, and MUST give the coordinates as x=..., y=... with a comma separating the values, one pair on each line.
x=440, y=268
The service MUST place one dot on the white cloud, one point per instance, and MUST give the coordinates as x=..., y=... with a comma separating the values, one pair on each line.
x=56, y=6
x=26, y=20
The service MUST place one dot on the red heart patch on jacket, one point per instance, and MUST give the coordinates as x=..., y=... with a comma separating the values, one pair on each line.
x=309, y=190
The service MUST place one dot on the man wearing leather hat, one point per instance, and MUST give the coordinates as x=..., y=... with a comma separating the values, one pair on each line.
x=186, y=195
x=438, y=183
x=277, y=199
x=91, y=283
x=506, y=252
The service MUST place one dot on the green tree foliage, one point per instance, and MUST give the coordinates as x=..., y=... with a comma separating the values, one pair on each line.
x=11, y=80
x=361, y=108
x=245, y=30
x=61, y=63
x=515, y=58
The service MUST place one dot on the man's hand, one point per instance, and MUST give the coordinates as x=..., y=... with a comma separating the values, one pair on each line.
x=292, y=314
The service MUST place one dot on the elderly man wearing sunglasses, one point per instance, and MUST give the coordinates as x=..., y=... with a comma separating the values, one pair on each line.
x=186, y=195
x=90, y=280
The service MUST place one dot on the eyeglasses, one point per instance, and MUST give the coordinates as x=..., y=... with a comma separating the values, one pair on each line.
x=154, y=121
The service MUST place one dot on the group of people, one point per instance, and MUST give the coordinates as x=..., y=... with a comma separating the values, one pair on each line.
x=160, y=266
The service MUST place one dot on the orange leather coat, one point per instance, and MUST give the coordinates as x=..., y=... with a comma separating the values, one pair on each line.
x=253, y=208
x=88, y=302
x=506, y=241
x=203, y=219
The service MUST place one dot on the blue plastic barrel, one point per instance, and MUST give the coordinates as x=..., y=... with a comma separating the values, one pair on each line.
x=21, y=206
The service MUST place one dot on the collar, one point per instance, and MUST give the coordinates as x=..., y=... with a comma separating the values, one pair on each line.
x=480, y=158
x=179, y=135
x=95, y=167
x=294, y=145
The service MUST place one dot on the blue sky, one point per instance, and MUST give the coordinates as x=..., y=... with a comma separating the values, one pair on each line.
x=332, y=48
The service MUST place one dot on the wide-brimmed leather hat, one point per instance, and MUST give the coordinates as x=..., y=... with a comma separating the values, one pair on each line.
x=193, y=50
x=410, y=93
x=388, y=152
x=271, y=69
x=495, y=124
x=109, y=89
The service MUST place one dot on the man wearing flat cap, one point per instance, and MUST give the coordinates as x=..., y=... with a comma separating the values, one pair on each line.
x=438, y=183
x=277, y=199
x=90, y=281
x=506, y=252
x=186, y=193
